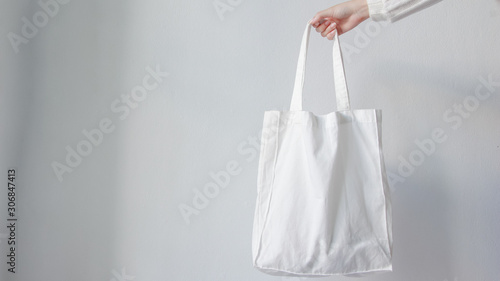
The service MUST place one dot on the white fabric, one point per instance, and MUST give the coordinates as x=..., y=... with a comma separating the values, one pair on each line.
x=323, y=204
x=396, y=9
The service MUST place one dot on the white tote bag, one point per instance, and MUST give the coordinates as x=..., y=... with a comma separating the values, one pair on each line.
x=323, y=201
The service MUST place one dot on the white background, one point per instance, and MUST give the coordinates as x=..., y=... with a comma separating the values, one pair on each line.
x=116, y=215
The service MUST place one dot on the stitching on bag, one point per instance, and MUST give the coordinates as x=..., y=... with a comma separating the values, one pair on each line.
x=260, y=181
x=366, y=271
x=380, y=269
x=263, y=148
x=384, y=188
x=271, y=186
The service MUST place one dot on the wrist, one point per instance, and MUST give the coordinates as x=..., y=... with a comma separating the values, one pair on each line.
x=362, y=10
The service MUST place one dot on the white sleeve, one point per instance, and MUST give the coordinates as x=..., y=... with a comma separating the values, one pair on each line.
x=396, y=9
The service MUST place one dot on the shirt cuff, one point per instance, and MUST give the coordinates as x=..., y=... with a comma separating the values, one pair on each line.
x=376, y=10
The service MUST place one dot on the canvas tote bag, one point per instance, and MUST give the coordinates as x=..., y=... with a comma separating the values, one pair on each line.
x=323, y=203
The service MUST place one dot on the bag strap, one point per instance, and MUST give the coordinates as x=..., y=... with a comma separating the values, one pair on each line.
x=341, y=91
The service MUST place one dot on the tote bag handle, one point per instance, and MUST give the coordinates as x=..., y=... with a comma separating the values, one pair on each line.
x=341, y=92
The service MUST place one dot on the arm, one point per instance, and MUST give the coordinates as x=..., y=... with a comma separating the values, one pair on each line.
x=394, y=10
x=345, y=16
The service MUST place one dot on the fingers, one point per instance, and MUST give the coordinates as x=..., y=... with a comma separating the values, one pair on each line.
x=325, y=26
x=318, y=21
x=325, y=23
x=322, y=16
x=328, y=30
x=331, y=34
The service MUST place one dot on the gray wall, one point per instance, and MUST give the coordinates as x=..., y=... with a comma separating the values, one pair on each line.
x=114, y=214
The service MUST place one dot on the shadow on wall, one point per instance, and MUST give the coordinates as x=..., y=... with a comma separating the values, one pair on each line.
x=65, y=75
x=427, y=230
x=423, y=234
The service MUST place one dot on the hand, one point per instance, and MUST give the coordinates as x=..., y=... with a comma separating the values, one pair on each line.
x=340, y=18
